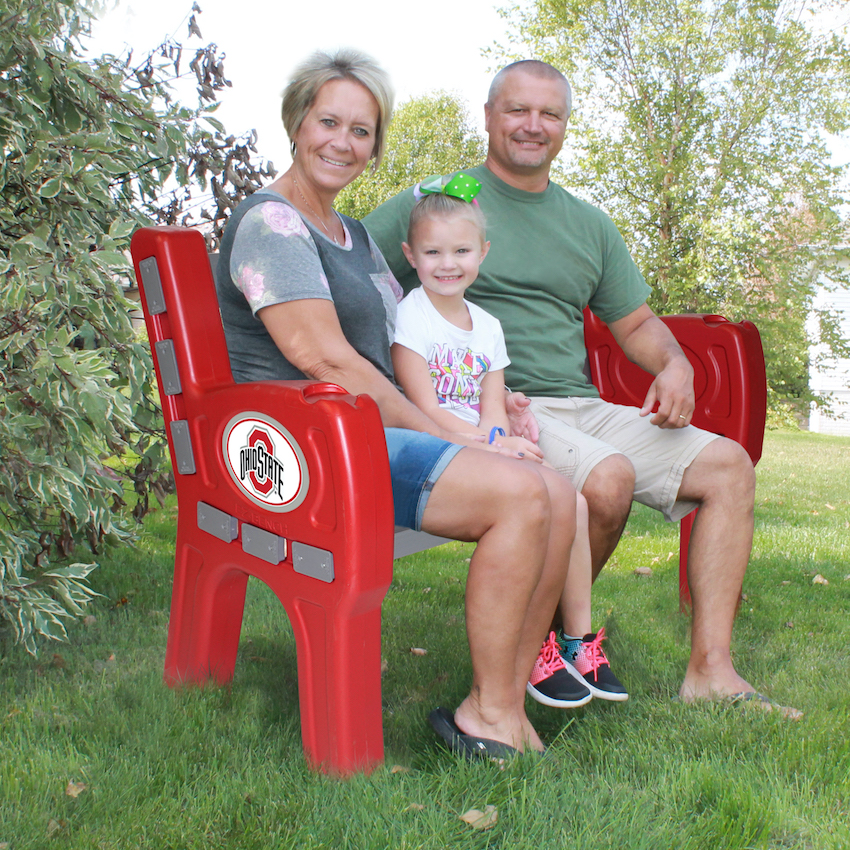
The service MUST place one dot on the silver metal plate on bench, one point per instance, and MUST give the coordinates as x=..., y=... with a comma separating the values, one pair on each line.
x=167, y=359
x=407, y=541
x=263, y=544
x=313, y=562
x=218, y=523
x=153, y=285
x=181, y=442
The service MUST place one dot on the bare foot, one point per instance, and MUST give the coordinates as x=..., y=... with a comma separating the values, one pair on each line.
x=506, y=727
x=746, y=696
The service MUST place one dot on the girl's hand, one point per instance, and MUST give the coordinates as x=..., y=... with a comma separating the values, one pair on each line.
x=523, y=448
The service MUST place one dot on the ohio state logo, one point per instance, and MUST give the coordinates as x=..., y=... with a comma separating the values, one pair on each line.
x=265, y=462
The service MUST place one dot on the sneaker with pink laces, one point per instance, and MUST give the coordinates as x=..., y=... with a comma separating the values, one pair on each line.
x=551, y=683
x=585, y=659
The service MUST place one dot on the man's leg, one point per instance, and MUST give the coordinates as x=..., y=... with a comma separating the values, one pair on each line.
x=722, y=480
x=523, y=518
x=601, y=473
x=608, y=489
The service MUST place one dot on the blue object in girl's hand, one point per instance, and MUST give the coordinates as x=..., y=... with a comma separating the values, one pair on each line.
x=495, y=431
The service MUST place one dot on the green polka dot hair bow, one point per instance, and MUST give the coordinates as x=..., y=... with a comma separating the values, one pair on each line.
x=458, y=186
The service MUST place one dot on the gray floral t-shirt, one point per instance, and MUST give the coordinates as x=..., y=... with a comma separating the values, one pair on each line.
x=270, y=255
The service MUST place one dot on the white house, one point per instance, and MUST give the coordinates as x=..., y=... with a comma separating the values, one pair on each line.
x=831, y=375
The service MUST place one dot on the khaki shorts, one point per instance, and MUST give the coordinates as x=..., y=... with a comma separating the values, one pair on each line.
x=577, y=433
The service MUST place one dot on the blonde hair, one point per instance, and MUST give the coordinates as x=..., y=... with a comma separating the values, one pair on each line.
x=442, y=206
x=345, y=64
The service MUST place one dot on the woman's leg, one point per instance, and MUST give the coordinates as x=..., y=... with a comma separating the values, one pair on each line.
x=516, y=576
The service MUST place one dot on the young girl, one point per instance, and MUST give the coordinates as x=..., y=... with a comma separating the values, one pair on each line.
x=449, y=358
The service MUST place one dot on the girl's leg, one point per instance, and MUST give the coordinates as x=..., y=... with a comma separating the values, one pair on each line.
x=574, y=606
x=515, y=578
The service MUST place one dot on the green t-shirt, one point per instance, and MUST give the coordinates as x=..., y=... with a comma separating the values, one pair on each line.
x=551, y=255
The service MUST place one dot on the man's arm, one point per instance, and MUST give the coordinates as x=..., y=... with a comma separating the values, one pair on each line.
x=647, y=341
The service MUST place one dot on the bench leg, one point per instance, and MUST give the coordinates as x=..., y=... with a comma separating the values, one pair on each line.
x=685, y=529
x=206, y=618
x=339, y=687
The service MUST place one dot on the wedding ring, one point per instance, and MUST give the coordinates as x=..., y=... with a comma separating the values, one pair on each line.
x=682, y=417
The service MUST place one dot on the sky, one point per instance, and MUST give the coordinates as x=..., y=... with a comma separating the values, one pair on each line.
x=436, y=45
x=431, y=46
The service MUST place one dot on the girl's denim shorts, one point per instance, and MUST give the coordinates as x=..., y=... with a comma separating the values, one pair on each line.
x=416, y=462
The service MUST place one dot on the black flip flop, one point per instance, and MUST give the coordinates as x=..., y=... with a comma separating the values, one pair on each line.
x=443, y=722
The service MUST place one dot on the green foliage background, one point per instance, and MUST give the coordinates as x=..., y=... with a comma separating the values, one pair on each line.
x=700, y=126
x=428, y=135
x=89, y=150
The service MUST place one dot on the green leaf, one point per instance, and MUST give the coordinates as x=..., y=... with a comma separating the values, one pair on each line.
x=121, y=228
x=50, y=188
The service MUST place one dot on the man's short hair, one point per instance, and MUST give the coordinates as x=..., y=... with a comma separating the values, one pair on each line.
x=537, y=69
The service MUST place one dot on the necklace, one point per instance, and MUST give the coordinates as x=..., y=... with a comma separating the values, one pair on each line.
x=307, y=204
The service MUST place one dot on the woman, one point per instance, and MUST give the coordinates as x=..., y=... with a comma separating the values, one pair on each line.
x=305, y=292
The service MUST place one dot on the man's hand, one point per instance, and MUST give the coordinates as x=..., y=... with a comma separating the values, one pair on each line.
x=671, y=396
x=647, y=341
x=520, y=417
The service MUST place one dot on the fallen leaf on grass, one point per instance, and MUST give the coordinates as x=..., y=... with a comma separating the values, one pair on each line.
x=54, y=826
x=655, y=560
x=643, y=571
x=385, y=666
x=671, y=555
x=789, y=624
x=416, y=807
x=827, y=505
x=74, y=789
x=101, y=666
x=819, y=579
x=417, y=650
x=4, y=845
x=481, y=820
x=399, y=768
x=786, y=582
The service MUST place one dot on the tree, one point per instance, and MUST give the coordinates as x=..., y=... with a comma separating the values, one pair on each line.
x=699, y=125
x=89, y=150
x=428, y=135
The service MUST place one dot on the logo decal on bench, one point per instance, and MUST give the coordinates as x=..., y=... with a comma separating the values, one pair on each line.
x=265, y=462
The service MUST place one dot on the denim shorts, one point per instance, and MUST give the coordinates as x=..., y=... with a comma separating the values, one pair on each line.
x=416, y=462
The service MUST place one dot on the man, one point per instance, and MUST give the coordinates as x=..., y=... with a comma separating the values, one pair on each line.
x=551, y=255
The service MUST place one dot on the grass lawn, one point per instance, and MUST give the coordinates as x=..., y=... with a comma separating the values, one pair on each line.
x=95, y=752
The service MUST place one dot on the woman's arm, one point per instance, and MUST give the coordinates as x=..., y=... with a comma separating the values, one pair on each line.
x=411, y=371
x=309, y=336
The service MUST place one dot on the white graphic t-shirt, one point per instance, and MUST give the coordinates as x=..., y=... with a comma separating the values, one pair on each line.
x=457, y=359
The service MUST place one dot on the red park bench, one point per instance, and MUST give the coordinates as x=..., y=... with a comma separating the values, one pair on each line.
x=289, y=481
